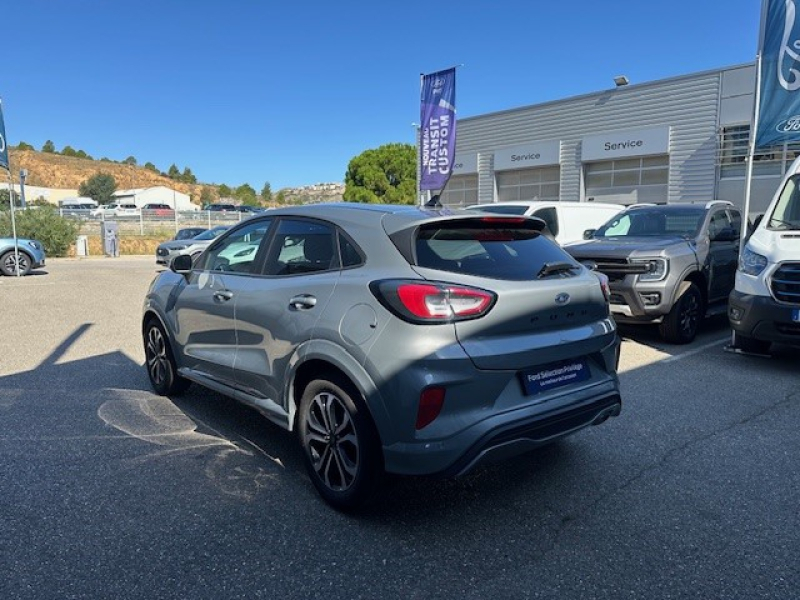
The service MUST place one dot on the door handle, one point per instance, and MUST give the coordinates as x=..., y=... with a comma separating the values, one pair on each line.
x=223, y=295
x=303, y=301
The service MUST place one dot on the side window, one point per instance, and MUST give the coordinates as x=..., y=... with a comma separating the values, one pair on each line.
x=237, y=252
x=550, y=217
x=350, y=256
x=303, y=247
x=736, y=220
x=719, y=221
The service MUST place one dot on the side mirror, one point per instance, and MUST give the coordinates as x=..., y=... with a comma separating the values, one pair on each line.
x=181, y=264
x=589, y=234
x=728, y=234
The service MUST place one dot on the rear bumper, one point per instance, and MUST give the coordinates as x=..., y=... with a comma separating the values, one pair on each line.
x=762, y=318
x=523, y=436
x=507, y=434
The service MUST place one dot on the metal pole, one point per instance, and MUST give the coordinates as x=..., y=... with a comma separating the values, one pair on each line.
x=175, y=210
x=22, y=175
x=748, y=181
x=13, y=221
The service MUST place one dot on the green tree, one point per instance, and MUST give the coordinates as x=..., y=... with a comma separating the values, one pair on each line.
x=173, y=172
x=55, y=232
x=387, y=174
x=82, y=154
x=246, y=194
x=131, y=160
x=49, y=147
x=224, y=191
x=69, y=151
x=151, y=167
x=99, y=187
x=206, y=197
x=24, y=146
x=4, y=203
x=266, y=193
x=280, y=197
x=187, y=176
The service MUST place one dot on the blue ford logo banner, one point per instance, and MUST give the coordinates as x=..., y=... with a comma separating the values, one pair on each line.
x=3, y=144
x=437, y=129
x=779, y=110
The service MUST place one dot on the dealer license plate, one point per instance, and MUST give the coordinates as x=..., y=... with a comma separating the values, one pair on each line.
x=796, y=315
x=554, y=375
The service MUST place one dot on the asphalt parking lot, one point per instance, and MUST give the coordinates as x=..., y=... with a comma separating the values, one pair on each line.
x=111, y=491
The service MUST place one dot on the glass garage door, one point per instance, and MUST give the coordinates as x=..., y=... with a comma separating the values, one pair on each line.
x=461, y=191
x=528, y=184
x=628, y=181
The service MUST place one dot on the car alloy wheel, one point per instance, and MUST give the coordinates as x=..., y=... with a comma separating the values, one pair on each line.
x=680, y=326
x=341, y=447
x=8, y=263
x=160, y=364
x=332, y=441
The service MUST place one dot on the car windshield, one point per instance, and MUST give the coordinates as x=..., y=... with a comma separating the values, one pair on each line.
x=654, y=222
x=510, y=249
x=787, y=210
x=211, y=233
x=186, y=234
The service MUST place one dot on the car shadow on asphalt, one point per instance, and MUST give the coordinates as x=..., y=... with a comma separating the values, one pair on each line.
x=711, y=329
x=202, y=421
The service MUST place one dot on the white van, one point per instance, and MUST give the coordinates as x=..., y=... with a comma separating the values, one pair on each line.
x=566, y=220
x=764, y=306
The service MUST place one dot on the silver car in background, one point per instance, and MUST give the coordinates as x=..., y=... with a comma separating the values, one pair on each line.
x=390, y=338
x=166, y=251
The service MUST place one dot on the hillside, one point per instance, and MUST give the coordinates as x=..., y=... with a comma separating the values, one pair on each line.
x=67, y=172
x=56, y=171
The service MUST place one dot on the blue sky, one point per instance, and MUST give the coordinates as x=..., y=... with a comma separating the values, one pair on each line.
x=248, y=91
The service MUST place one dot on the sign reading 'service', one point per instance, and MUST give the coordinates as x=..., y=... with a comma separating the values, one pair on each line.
x=620, y=144
x=437, y=129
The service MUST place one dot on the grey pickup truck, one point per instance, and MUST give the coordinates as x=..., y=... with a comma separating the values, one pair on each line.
x=667, y=264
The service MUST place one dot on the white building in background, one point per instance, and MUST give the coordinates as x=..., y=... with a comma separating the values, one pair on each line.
x=682, y=139
x=155, y=195
x=52, y=195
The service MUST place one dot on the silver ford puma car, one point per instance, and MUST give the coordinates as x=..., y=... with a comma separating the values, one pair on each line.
x=390, y=338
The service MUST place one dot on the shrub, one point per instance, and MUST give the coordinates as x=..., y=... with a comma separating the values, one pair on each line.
x=43, y=223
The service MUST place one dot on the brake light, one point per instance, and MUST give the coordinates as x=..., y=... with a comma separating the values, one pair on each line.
x=431, y=401
x=429, y=302
x=505, y=220
x=604, y=285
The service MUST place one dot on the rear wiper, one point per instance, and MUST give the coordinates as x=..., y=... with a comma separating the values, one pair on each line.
x=555, y=267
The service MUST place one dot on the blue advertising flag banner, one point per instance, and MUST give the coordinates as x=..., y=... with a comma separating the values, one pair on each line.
x=437, y=129
x=3, y=145
x=779, y=110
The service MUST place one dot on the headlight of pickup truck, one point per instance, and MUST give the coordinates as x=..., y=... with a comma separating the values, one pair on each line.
x=752, y=263
x=657, y=269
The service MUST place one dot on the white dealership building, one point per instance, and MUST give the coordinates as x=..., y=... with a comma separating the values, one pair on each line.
x=682, y=139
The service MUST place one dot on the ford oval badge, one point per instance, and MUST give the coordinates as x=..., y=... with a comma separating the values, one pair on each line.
x=562, y=299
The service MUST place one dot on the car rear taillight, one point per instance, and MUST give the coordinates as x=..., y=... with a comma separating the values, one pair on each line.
x=432, y=302
x=604, y=285
x=431, y=401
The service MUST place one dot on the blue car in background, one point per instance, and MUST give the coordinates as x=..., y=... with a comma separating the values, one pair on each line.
x=31, y=255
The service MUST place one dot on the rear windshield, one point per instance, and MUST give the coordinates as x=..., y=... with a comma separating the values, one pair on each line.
x=516, y=253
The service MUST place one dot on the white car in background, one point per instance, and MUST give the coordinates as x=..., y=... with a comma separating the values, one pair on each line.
x=116, y=210
x=566, y=221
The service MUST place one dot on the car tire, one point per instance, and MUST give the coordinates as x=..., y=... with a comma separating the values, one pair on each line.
x=8, y=263
x=680, y=326
x=160, y=363
x=341, y=447
x=748, y=344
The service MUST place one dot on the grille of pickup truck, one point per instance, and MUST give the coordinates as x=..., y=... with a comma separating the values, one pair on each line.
x=785, y=283
x=617, y=268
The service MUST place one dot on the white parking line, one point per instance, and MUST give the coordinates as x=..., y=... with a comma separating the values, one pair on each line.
x=697, y=350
